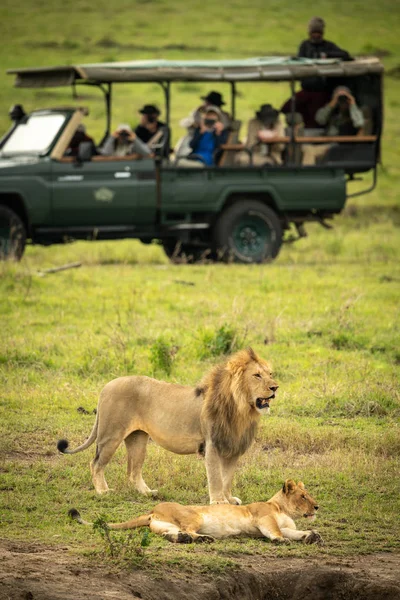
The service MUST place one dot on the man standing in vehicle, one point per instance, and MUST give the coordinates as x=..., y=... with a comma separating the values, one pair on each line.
x=317, y=47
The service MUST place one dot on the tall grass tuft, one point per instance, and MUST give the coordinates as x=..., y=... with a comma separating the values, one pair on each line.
x=216, y=342
x=162, y=356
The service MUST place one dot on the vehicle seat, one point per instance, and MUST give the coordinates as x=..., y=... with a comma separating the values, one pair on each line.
x=360, y=156
x=368, y=120
x=293, y=154
x=227, y=157
x=159, y=142
x=182, y=148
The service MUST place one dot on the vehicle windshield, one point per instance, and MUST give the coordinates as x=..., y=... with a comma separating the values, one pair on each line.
x=35, y=135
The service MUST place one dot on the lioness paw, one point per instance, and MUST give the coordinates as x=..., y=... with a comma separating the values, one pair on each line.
x=280, y=540
x=234, y=500
x=204, y=539
x=314, y=538
x=178, y=538
x=219, y=502
x=184, y=538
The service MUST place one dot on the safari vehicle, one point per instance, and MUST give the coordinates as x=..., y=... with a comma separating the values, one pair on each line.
x=230, y=211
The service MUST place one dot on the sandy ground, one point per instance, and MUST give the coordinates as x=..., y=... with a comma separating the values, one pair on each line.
x=37, y=572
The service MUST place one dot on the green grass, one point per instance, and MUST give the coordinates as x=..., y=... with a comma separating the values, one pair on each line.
x=325, y=313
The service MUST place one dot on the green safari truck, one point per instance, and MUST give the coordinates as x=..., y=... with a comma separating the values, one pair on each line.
x=231, y=211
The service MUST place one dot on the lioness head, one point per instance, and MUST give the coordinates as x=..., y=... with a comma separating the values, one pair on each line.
x=298, y=502
x=254, y=376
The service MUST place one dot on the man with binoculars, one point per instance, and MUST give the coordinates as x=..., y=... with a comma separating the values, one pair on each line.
x=341, y=116
x=208, y=137
x=124, y=142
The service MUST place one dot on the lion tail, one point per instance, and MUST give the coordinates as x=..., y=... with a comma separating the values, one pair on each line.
x=62, y=445
x=142, y=521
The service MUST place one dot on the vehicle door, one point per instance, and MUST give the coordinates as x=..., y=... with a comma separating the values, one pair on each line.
x=103, y=191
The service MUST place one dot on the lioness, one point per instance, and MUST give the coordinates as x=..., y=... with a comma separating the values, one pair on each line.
x=272, y=519
x=221, y=413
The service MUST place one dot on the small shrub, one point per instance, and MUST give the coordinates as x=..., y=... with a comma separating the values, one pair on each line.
x=122, y=546
x=162, y=356
x=217, y=342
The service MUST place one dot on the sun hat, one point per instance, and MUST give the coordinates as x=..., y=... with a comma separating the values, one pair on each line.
x=214, y=98
x=149, y=109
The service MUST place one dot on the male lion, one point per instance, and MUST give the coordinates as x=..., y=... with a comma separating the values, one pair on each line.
x=221, y=414
x=272, y=519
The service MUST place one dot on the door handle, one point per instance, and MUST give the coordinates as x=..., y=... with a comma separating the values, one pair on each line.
x=70, y=178
x=122, y=175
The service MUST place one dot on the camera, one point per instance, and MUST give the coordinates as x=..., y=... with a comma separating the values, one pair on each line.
x=124, y=134
x=209, y=122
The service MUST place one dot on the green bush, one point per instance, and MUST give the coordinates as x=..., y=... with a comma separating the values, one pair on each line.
x=217, y=342
x=162, y=356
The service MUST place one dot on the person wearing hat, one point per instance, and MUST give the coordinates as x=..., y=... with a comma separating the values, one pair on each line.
x=316, y=46
x=206, y=140
x=124, y=142
x=265, y=127
x=211, y=99
x=152, y=131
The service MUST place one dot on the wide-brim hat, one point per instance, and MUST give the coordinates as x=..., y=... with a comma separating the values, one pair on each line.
x=149, y=109
x=214, y=98
x=267, y=113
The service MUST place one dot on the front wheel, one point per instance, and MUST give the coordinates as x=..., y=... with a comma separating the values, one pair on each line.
x=12, y=235
x=248, y=232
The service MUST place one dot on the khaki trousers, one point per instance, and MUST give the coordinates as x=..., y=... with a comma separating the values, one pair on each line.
x=313, y=151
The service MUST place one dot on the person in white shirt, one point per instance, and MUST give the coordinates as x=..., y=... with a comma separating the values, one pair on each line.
x=124, y=142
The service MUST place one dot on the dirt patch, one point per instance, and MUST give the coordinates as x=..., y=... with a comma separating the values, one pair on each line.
x=38, y=572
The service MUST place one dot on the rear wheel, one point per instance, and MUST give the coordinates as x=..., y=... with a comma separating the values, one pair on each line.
x=12, y=235
x=248, y=232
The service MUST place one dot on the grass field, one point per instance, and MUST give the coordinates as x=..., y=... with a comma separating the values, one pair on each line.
x=326, y=313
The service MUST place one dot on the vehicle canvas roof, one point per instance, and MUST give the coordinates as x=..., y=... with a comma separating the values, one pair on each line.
x=250, y=69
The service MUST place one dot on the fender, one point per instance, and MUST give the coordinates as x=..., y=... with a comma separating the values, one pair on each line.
x=264, y=192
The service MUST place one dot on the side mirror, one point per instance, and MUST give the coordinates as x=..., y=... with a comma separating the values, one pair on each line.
x=85, y=152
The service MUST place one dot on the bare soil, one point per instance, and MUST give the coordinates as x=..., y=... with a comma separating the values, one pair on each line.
x=37, y=572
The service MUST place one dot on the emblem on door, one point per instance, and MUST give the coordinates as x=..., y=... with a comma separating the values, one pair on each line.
x=104, y=194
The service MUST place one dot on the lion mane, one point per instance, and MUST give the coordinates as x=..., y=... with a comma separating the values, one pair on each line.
x=225, y=407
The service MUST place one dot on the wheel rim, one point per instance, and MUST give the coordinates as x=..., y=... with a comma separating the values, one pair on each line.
x=252, y=237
